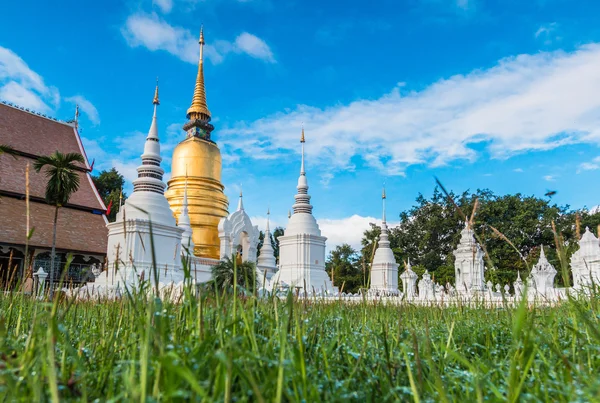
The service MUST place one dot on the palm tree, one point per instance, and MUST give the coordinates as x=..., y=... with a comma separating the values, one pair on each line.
x=223, y=274
x=4, y=149
x=63, y=181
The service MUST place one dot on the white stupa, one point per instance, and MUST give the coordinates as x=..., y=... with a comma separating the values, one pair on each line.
x=238, y=235
x=384, y=270
x=132, y=250
x=468, y=264
x=267, y=265
x=187, y=243
x=302, y=247
x=585, y=262
x=541, y=278
x=409, y=281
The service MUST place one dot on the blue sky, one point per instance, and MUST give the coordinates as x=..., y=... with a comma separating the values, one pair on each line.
x=498, y=94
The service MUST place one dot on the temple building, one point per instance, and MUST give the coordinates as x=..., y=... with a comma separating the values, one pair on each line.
x=81, y=225
x=302, y=247
x=384, y=270
x=198, y=159
x=145, y=239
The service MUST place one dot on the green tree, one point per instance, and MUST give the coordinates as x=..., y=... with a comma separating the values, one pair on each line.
x=343, y=267
x=223, y=274
x=274, y=242
x=109, y=185
x=429, y=232
x=63, y=181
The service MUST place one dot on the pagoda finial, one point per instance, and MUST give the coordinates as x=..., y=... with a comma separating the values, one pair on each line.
x=199, y=108
x=289, y=214
x=302, y=141
x=241, y=202
x=383, y=197
x=76, y=120
x=156, y=100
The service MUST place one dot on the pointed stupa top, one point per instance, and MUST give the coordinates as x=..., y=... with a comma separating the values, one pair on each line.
x=240, y=202
x=543, y=265
x=198, y=124
x=150, y=173
x=156, y=101
x=384, y=254
x=408, y=272
x=302, y=198
x=267, y=253
x=199, y=108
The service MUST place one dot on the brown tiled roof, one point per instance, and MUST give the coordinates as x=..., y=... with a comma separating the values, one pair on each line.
x=33, y=134
x=77, y=230
x=12, y=179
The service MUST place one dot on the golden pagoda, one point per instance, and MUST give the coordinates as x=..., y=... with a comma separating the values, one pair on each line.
x=198, y=159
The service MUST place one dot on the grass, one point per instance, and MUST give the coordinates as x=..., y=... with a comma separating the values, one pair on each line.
x=240, y=348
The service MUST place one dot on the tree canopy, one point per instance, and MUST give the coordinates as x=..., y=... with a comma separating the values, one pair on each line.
x=110, y=184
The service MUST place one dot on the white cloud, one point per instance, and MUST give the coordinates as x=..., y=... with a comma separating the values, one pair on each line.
x=549, y=178
x=154, y=33
x=590, y=166
x=524, y=103
x=128, y=169
x=26, y=88
x=86, y=107
x=548, y=33
x=23, y=86
x=518, y=170
x=254, y=46
x=348, y=230
x=19, y=95
x=164, y=5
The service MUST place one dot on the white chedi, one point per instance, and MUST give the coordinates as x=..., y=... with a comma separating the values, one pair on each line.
x=145, y=236
x=267, y=264
x=237, y=235
x=468, y=264
x=585, y=262
x=541, y=278
x=409, y=281
x=384, y=269
x=187, y=243
x=302, y=247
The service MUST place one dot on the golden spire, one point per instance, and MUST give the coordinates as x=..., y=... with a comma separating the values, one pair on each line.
x=383, y=193
x=199, y=108
x=302, y=136
x=156, y=101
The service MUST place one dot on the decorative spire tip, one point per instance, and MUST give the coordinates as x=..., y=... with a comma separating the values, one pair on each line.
x=156, y=101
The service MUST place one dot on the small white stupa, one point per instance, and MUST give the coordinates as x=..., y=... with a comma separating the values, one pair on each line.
x=468, y=264
x=384, y=270
x=302, y=247
x=145, y=232
x=267, y=265
x=409, y=281
x=541, y=278
x=237, y=235
x=585, y=262
x=187, y=243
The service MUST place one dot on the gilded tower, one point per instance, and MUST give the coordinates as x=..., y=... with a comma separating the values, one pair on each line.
x=198, y=159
